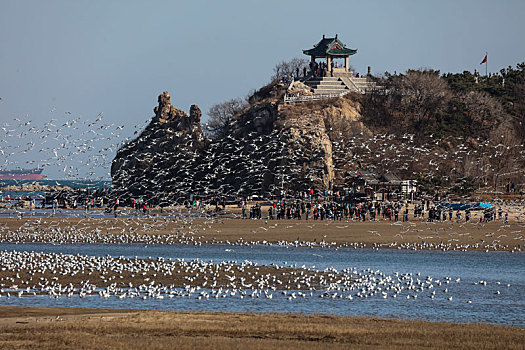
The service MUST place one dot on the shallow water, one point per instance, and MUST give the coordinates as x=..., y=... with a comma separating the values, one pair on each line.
x=487, y=307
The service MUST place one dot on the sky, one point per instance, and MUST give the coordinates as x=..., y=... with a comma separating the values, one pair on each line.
x=109, y=60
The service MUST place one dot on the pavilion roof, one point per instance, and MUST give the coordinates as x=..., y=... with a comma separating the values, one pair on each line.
x=329, y=46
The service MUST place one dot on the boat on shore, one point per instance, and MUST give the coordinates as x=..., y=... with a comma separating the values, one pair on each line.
x=22, y=174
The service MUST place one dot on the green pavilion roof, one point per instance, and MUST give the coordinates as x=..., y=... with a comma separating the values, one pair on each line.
x=329, y=46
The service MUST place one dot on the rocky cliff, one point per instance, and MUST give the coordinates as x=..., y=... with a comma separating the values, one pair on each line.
x=271, y=147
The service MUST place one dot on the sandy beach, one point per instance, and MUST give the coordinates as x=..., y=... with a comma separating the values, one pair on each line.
x=413, y=234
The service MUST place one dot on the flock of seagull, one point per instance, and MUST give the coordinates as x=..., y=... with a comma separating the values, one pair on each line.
x=75, y=148
x=66, y=275
x=255, y=162
x=169, y=162
x=168, y=231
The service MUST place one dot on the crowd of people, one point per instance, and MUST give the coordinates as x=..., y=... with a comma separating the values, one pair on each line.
x=326, y=210
x=365, y=211
x=306, y=206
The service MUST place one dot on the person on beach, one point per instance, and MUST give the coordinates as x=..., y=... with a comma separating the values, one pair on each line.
x=55, y=205
x=115, y=207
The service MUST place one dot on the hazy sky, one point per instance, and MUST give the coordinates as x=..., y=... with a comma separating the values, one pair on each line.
x=116, y=57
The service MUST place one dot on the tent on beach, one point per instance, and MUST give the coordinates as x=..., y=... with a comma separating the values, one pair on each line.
x=464, y=206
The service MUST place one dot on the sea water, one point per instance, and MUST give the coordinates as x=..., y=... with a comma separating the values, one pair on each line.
x=503, y=272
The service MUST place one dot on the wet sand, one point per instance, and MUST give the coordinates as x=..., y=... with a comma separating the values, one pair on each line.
x=67, y=328
x=414, y=234
x=66, y=275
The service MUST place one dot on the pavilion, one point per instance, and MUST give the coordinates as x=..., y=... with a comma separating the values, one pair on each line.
x=330, y=79
x=330, y=49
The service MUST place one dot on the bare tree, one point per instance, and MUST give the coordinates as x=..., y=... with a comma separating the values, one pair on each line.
x=423, y=94
x=285, y=69
x=518, y=108
x=220, y=116
x=483, y=108
x=505, y=156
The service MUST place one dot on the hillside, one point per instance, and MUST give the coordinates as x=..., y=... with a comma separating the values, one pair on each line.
x=449, y=133
x=271, y=147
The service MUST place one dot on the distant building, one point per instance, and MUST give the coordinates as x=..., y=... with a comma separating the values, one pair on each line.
x=386, y=186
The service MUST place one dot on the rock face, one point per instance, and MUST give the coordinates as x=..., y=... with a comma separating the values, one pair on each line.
x=271, y=148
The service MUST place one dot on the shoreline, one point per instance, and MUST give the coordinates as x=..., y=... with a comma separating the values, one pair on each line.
x=46, y=328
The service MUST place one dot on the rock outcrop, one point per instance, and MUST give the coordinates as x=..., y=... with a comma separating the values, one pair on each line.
x=271, y=148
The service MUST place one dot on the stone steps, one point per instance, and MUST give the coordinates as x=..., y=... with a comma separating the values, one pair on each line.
x=326, y=85
x=341, y=85
x=361, y=85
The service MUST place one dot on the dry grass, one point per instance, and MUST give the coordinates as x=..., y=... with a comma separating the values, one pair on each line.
x=42, y=328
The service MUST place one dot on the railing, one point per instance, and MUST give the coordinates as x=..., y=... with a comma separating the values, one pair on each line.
x=351, y=81
x=302, y=98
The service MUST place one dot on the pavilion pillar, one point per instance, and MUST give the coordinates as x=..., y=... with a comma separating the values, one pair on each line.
x=347, y=64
